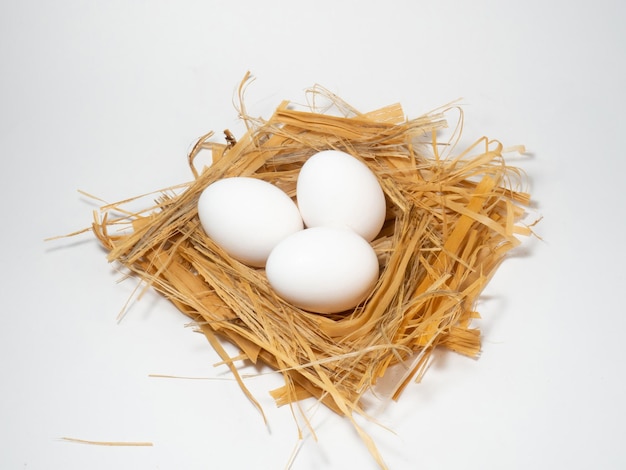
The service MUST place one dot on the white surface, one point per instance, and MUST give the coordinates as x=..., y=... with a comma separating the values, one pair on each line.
x=108, y=97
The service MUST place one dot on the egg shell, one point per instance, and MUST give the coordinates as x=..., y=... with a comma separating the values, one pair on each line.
x=247, y=217
x=323, y=269
x=336, y=189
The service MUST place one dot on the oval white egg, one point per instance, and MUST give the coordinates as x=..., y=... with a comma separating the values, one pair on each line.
x=336, y=189
x=247, y=217
x=323, y=269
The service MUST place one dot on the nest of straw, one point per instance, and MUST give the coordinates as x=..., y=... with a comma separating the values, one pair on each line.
x=451, y=218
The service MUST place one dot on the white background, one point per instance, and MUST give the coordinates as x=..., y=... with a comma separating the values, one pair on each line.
x=108, y=97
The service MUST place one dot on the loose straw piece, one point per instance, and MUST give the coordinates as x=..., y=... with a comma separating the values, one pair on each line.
x=451, y=219
x=108, y=443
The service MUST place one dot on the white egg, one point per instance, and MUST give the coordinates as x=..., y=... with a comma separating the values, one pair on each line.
x=336, y=189
x=323, y=269
x=247, y=217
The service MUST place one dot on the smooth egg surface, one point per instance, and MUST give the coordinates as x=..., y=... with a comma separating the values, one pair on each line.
x=336, y=189
x=247, y=217
x=323, y=269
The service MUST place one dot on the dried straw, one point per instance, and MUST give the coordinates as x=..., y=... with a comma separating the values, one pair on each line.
x=450, y=221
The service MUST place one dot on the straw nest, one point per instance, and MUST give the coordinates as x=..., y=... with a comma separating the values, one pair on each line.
x=451, y=218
